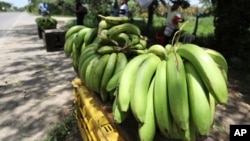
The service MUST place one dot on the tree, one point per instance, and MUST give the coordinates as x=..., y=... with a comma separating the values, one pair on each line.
x=4, y=6
x=232, y=24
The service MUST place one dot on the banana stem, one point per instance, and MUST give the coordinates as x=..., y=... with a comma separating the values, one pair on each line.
x=177, y=33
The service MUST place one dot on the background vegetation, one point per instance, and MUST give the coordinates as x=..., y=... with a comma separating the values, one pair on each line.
x=223, y=24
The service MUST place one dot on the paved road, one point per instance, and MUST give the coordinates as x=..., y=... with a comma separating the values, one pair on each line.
x=35, y=89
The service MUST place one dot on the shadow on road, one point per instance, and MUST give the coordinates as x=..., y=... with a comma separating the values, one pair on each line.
x=35, y=88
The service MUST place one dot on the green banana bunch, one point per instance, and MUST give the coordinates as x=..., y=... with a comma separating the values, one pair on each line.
x=68, y=45
x=78, y=43
x=99, y=71
x=72, y=30
x=84, y=64
x=74, y=57
x=86, y=55
x=88, y=79
x=135, y=39
x=126, y=83
x=145, y=73
x=106, y=49
x=219, y=60
x=161, y=102
x=166, y=87
x=158, y=50
x=177, y=91
x=80, y=37
x=147, y=129
x=200, y=111
x=125, y=27
x=121, y=63
x=119, y=115
x=113, y=82
x=46, y=22
x=122, y=39
x=103, y=34
x=206, y=67
x=90, y=36
x=107, y=74
x=103, y=24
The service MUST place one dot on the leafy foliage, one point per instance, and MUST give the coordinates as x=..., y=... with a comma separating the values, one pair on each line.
x=232, y=22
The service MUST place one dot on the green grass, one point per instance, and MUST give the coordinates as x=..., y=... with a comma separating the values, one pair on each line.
x=205, y=26
x=62, y=129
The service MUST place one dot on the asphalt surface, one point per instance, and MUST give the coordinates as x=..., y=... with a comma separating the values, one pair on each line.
x=35, y=85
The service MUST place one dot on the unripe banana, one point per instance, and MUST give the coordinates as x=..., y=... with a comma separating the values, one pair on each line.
x=84, y=66
x=135, y=39
x=177, y=91
x=143, y=42
x=125, y=27
x=83, y=58
x=138, y=46
x=74, y=57
x=218, y=58
x=69, y=44
x=212, y=107
x=161, y=102
x=138, y=52
x=158, y=50
x=113, y=82
x=144, y=76
x=122, y=39
x=147, y=129
x=106, y=50
x=119, y=115
x=200, y=112
x=80, y=37
x=168, y=48
x=84, y=53
x=92, y=46
x=98, y=72
x=207, y=69
x=72, y=30
x=90, y=36
x=107, y=74
x=103, y=34
x=89, y=72
x=121, y=62
x=103, y=25
x=127, y=80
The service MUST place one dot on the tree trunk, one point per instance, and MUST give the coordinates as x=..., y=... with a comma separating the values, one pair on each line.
x=150, y=15
x=196, y=24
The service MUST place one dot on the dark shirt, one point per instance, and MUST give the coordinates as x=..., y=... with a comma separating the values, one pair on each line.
x=115, y=11
x=82, y=12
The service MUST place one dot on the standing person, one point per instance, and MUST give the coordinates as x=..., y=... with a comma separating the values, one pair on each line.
x=172, y=22
x=80, y=11
x=115, y=9
x=43, y=8
x=124, y=10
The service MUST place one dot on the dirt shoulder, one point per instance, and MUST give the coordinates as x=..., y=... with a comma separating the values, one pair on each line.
x=35, y=85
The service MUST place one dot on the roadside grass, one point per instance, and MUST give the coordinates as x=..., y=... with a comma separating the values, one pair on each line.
x=63, y=129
